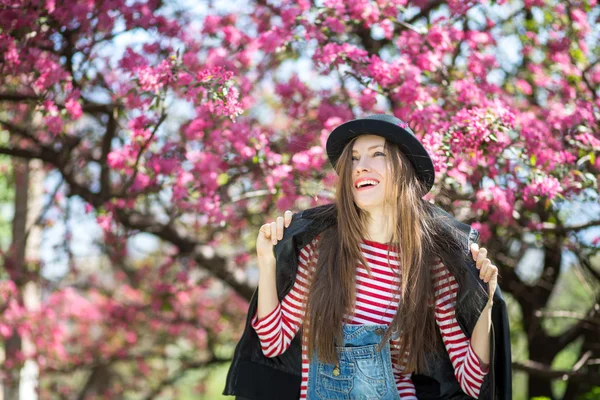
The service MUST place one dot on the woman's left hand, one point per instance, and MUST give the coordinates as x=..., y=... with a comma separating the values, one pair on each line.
x=487, y=271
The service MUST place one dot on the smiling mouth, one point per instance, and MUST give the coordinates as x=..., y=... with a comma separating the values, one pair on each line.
x=369, y=185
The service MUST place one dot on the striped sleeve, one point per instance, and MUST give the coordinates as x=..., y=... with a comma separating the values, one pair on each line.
x=404, y=384
x=467, y=368
x=277, y=329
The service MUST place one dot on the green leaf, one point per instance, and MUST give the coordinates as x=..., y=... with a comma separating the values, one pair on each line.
x=166, y=305
x=578, y=55
x=533, y=159
x=222, y=179
x=592, y=157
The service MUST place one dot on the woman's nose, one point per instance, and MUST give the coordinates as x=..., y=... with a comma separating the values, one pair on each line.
x=362, y=164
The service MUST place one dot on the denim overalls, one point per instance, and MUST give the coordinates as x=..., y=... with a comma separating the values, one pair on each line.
x=363, y=372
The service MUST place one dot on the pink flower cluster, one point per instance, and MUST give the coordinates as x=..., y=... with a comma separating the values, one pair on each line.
x=498, y=202
x=153, y=79
x=541, y=188
x=476, y=127
x=333, y=54
x=310, y=160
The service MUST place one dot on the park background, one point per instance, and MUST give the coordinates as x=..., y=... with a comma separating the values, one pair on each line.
x=143, y=143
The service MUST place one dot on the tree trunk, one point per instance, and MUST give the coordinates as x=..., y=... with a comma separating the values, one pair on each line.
x=26, y=241
x=13, y=345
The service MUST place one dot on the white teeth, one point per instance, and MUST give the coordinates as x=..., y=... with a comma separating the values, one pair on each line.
x=363, y=183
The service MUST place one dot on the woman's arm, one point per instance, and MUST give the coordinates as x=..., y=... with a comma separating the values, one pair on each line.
x=281, y=321
x=480, y=340
x=467, y=368
x=267, y=288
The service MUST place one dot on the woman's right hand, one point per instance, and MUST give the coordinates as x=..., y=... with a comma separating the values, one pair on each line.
x=268, y=236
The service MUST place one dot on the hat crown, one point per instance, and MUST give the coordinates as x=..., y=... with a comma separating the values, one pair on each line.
x=390, y=119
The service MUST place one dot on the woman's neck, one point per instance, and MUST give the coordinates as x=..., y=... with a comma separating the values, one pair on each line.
x=379, y=227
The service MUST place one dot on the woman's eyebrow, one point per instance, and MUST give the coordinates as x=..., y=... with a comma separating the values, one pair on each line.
x=372, y=147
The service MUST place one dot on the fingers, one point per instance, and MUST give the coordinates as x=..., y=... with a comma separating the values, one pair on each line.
x=488, y=271
x=485, y=271
x=266, y=231
x=474, y=250
x=482, y=255
x=273, y=232
x=483, y=264
x=288, y=217
x=279, y=228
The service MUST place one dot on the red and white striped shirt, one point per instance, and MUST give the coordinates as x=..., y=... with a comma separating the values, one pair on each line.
x=376, y=303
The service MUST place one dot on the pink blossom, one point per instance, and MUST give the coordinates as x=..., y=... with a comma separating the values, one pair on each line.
x=335, y=25
x=334, y=54
x=589, y=140
x=541, y=187
x=195, y=129
x=130, y=337
x=272, y=39
x=365, y=11
x=481, y=64
x=337, y=6
x=211, y=24
x=485, y=234
x=230, y=106
x=533, y=3
x=54, y=124
x=153, y=79
x=5, y=331
x=141, y=182
x=438, y=38
x=73, y=107
x=309, y=160
x=131, y=60
x=524, y=86
x=122, y=158
x=368, y=99
x=388, y=29
x=219, y=74
x=233, y=36
x=383, y=72
x=11, y=54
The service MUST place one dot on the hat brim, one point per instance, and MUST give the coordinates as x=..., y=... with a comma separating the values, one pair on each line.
x=409, y=144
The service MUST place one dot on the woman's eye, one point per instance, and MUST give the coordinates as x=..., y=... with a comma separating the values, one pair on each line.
x=378, y=152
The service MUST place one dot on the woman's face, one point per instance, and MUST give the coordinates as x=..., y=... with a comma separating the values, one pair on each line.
x=370, y=163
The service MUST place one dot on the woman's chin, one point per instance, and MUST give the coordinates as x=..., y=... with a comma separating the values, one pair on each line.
x=367, y=204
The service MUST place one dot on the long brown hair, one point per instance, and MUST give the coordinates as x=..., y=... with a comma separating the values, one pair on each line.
x=418, y=237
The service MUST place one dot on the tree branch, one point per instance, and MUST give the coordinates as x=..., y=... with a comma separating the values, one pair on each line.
x=204, y=255
x=111, y=129
x=559, y=229
x=546, y=371
x=589, y=322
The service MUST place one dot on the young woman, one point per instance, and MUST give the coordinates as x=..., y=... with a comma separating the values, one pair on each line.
x=375, y=293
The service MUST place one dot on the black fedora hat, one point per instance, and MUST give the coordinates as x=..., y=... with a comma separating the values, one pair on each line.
x=393, y=129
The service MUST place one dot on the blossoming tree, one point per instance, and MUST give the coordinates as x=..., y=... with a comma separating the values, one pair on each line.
x=210, y=123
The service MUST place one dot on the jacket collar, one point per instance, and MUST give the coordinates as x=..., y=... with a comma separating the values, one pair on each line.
x=308, y=223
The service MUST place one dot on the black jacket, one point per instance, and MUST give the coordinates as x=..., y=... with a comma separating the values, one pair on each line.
x=254, y=376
